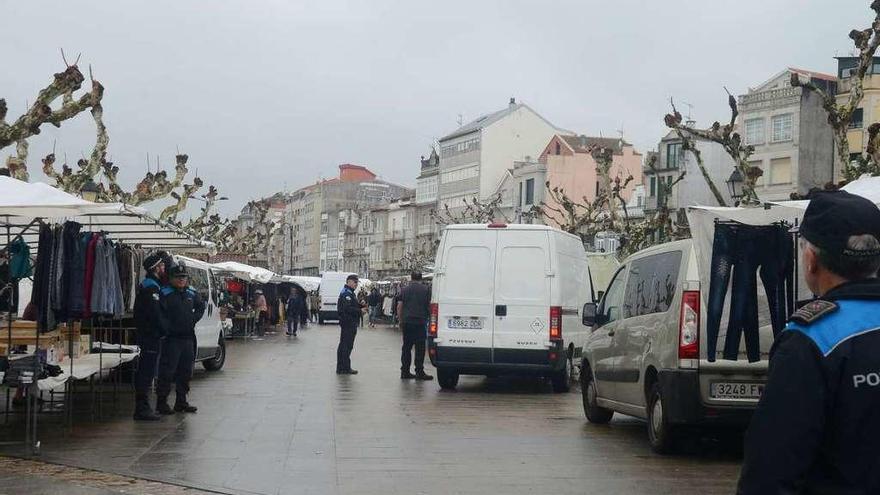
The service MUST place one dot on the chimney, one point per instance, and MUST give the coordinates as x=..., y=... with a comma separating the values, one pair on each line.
x=512, y=103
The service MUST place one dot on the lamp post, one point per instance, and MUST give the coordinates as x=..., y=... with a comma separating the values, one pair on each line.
x=89, y=191
x=735, y=186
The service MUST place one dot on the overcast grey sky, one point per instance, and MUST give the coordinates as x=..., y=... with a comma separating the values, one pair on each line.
x=267, y=93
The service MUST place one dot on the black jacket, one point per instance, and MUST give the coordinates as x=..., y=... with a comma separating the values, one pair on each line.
x=148, y=317
x=373, y=299
x=817, y=427
x=296, y=305
x=416, y=299
x=349, y=308
x=182, y=309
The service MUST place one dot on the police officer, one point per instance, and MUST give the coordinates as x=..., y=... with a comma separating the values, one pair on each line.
x=150, y=330
x=182, y=307
x=818, y=422
x=349, y=316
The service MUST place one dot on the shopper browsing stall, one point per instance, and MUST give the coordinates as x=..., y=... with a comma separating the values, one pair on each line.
x=183, y=308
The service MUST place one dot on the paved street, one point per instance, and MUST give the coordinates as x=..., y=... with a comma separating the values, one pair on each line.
x=278, y=420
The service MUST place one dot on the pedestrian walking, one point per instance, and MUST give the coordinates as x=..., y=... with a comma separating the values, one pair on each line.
x=373, y=301
x=262, y=309
x=296, y=308
x=314, y=304
x=362, y=300
x=182, y=308
x=414, y=311
x=816, y=427
x=350, y=311
x=149, y=323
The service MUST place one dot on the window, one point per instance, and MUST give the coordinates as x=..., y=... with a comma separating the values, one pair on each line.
x=530, y=191
x=460, y=174
x=519, y=199
x=650, y=287
x=558, y=149
x=673, y=155
x=858, y=119
x=755, y=131
x=613, y=299
x=780, y=171
x=450, y=150
x=781, y=128
x=653, y=187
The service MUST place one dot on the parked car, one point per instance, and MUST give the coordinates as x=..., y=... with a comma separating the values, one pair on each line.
x=506, y=299
x=331, y=286
x=646, y=354
x=210, y=343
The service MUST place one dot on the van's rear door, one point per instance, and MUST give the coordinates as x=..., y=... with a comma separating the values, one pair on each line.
x=522, y=297
x=465, y=304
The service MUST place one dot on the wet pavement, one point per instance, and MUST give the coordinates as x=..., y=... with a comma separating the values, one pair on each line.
x=278, y=420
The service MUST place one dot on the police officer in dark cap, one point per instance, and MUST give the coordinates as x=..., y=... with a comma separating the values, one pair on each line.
x=817, y=427
x=183, y=308
x=349, y=317
x=150, y=327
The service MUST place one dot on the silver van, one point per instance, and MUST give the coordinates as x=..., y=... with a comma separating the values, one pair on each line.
x=646, y=354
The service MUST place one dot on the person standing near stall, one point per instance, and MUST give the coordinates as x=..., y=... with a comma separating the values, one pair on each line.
x=350, y=311
x=262, y=309
x=296, y=306
x=183, y=308
x=149, y=323
x=373, y=301
x=414, y=311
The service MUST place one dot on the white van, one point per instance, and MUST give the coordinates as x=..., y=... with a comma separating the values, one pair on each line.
x=506, y=299
x=331, y=286
x=210, y=344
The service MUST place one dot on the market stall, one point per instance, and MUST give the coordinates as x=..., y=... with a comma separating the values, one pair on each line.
x=82, y=262
x=242, y=282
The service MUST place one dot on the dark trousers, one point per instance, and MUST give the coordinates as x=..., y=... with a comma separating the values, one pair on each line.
x=175, y=366
x=148, y=361
x=740, y=251
x=414, y=335
x=293, y=320
x=346, y=344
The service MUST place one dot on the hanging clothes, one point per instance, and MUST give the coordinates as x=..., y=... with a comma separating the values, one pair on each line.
x=89, y=275
x=19, y=259
x=77, y=274
x=40, y=296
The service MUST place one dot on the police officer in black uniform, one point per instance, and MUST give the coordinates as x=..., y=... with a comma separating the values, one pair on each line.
x=150, y=330
x=817, y=427
x=349, y=317
x=183, y=308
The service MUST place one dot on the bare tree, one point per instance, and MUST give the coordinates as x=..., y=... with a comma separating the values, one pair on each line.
x=840, y=115
x=730, y=140
x=471, y=211
x=63, y=85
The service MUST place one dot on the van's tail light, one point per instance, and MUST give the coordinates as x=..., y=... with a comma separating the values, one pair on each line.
x=555, y=323
x=432, y=327
x=689, y=326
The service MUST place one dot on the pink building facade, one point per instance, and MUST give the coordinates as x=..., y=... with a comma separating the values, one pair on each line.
x=571, y=167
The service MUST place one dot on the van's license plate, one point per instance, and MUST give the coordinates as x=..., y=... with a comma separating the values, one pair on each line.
x=464, y=323
x=736, y=390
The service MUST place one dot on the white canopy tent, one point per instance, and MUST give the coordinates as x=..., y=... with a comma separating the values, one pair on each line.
x=23, y=203
x=246, y=272
x=307, y=283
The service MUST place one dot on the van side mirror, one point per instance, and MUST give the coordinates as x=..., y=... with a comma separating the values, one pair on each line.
x=588, y=317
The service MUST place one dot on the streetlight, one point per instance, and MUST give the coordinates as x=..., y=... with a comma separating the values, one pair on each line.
x=735, y=186
x=89, y=191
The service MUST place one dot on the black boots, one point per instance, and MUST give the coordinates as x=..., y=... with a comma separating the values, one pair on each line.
x=162, y=406
x=406, y=375
x=142, y=410
x=421, y=375
x=182, y=406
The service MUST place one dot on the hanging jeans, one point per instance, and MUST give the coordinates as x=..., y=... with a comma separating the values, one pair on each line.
x=742, y=250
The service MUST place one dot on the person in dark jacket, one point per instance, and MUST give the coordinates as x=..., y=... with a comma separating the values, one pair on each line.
x=816, y=427
x=373, y=301
x=148, y=321
x=414, y=311
x=183, y=308
x=350, y=311
x=296, y=308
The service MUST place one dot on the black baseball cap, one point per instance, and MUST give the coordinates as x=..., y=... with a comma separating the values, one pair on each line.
x=178, y=270
x=834, y=216
x=152, y=260
x=352, y=277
